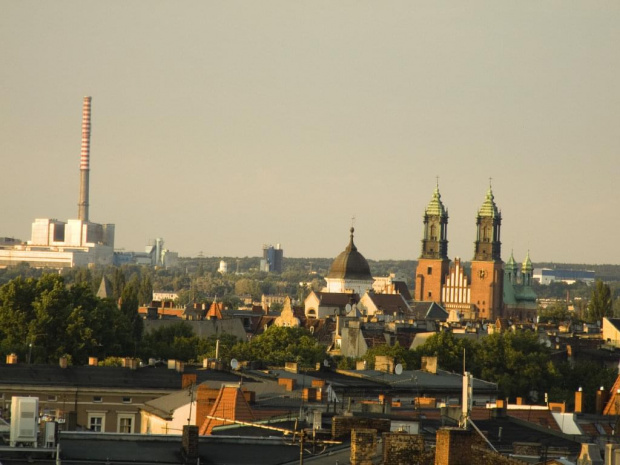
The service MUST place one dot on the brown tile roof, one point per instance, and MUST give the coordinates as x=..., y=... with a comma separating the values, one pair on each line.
x=215, y=311
x=538, y=417
x=337, y=299
x=389, y=304
x=231, y=405
x=612, y=404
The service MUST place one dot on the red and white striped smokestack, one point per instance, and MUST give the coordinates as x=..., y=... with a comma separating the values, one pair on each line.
x=84, y=161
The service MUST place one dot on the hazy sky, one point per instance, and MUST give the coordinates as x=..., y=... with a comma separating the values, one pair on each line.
x=221, y=126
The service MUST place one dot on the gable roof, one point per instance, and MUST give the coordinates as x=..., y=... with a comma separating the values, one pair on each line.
x=389, y=304
x=337, y=299
x=215, y=311
x=231, y=405
x=105, y=289
x=428, y=310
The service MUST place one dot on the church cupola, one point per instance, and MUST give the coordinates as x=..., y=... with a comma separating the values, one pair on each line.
x=526, y=270
x=349, y=271
x=435, y=240
x=511, y=269
x=488, y=223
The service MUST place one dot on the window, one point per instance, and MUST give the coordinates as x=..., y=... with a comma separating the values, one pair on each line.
x=430, y=293
x=429, y=270
x=96, y=422
x=126, y=400
x=97, y=399
x=125, y=423
x=52, y=398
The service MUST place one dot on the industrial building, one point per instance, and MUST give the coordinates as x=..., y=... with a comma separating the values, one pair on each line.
x=547, y=276
x=78, y=242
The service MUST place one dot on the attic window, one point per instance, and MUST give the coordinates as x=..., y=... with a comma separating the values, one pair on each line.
x=126, y=400
x=97, y=399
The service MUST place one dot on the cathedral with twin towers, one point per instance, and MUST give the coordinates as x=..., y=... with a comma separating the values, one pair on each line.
x=492, y=289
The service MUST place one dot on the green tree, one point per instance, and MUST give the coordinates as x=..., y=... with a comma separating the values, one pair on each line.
x=554, y=313
x=145, y=291
x=518, y=362
x=129, y=309
x=401, y=355
x=600, y=304
x=279, y=345
x=175, y=341
x=450, y=351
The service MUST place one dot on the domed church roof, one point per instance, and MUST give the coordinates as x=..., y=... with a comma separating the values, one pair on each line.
x=350, y=264
x=435, y=206
x=489, y=208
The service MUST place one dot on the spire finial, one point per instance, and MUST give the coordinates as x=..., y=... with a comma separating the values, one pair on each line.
x=437, y=182
x=490, y=182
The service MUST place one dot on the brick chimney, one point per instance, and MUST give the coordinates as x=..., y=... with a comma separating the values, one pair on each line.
x=579, y=401
x=601, y=400
x=189, y=448
x=188, y=379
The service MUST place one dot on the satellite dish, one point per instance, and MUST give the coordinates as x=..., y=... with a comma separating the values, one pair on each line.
x=326, y=363
x=398, y=369
x=234, y=364
x=557, y=339
x=348, y=307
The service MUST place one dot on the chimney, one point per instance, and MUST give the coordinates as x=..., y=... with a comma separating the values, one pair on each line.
x=579, y=401
x=188, y=380
x=84, y=161
x=429, y=364
x=189, y=442
x=601, y=400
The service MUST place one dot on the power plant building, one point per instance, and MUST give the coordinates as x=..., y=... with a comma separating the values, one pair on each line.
x=77, y=242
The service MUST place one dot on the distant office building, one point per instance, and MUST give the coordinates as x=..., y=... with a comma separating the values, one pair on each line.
x=223, y=269
x=548, y=276
x=272, y=258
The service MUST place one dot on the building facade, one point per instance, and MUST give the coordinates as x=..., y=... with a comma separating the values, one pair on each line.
x=479, y=293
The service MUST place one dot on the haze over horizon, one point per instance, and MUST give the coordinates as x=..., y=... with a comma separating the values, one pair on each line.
x=221, y=126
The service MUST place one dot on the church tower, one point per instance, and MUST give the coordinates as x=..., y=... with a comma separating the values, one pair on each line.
x=487, y=275
x=433, y=264
x=526, y=271
x=511, y=270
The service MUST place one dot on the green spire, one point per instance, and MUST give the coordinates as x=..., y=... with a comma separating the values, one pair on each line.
x=527, y=263
x=435, y=206
x=511, y=264
x=489, y=208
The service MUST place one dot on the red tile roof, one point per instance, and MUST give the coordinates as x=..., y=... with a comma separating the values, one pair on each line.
x=230, y=404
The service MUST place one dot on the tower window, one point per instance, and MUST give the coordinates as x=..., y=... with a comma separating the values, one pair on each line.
x=430, y=293
x=429, y=270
